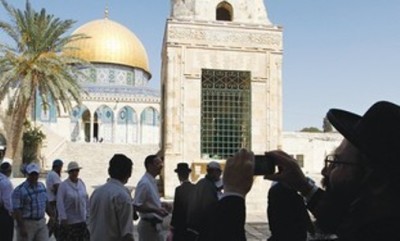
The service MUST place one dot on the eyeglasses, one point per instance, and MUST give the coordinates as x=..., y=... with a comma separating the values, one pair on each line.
x=333, y=160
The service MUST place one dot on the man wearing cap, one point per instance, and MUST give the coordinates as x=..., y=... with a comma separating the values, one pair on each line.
x=6, y=188
x=29, y=201
x=53, y=180
x=147, y=201
x=361, y=201
x=111, y=210
x=181, y=202
x=203, y=203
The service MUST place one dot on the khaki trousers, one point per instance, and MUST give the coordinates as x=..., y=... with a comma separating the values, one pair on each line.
x=36, y=229
x=150, y=232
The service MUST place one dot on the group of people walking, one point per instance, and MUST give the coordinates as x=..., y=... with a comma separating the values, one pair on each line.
x=109, y=212
x=65, y=202
x=358, y=200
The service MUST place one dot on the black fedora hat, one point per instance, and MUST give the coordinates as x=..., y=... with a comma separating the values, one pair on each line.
x=376, y=134
x=182, y=167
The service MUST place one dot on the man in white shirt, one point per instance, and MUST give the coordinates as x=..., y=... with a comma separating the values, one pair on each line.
x=111, y=210
x=53, y=180
x=6, y=188
x=147, y=202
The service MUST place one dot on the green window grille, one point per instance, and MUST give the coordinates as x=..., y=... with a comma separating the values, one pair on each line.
x=225, y=112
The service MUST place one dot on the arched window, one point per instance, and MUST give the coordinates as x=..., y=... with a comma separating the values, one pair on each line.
x=150, y=122
x=150, y=117
x=224, y=11
x=127, y=126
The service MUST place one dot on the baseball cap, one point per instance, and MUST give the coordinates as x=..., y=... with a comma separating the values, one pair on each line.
x=32, y=167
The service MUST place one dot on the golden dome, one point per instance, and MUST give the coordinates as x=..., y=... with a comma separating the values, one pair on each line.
x=110, y=42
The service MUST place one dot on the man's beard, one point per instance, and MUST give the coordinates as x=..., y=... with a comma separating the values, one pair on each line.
x=325, y=183
x=335, y=208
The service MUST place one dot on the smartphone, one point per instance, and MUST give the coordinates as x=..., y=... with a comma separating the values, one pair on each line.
x=263, y=165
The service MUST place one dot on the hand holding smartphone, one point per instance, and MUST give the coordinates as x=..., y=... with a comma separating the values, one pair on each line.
x=263, y=165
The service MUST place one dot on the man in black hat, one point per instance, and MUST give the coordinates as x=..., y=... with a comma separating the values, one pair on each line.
x=361, y=200
x=181, y=203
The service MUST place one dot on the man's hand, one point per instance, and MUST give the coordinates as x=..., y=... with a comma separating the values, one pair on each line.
x=161, y=212
x=238, y=173
x=20, y=223
x=289, y=172
x=167, y=206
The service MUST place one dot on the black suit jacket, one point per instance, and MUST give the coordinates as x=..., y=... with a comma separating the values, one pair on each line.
x=230, y=218
x=179, y=212
x=287, y=214
x=203, y=202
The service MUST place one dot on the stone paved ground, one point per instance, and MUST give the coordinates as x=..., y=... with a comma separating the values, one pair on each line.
x=254, y=232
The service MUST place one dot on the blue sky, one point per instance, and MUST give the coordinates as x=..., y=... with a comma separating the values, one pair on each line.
x=337, y=54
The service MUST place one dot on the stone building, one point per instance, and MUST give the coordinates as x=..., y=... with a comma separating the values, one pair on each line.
x=221, y=84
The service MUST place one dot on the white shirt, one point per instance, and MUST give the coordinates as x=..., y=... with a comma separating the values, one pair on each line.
x=111, y=212
x=72, y=202
x=147, y=193
x=6, y=189
x=51, y=179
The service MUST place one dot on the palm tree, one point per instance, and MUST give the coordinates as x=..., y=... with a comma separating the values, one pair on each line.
x=33, y=64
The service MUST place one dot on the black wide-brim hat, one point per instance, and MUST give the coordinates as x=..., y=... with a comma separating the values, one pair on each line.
x=376, y=134
x=182, y=167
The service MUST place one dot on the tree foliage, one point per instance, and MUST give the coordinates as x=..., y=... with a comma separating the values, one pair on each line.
x=311, y=129
x=33, y=64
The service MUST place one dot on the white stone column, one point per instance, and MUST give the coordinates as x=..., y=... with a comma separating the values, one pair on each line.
x=91, y=121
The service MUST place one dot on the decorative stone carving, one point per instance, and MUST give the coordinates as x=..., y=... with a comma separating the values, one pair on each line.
x=219, y=36
x=182, y=9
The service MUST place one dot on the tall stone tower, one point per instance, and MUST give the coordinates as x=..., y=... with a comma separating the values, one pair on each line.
x=221, y=82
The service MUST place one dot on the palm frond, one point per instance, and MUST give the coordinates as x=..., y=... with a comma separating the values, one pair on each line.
x=35, y=63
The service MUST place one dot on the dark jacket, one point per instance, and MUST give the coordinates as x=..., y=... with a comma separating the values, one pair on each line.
x=287, y=213
x=202, y=207
x=179, y=212
x=230, y=218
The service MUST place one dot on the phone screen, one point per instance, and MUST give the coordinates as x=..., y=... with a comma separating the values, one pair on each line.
x=263, y=166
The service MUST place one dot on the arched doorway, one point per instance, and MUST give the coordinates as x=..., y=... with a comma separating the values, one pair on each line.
x=80, y=124
x=103, y=124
